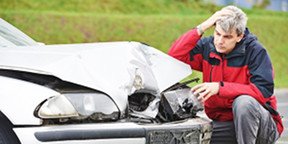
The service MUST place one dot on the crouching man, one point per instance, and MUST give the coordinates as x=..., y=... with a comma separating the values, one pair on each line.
x=238, y=79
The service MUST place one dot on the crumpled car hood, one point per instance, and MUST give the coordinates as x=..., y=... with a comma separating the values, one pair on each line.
x=115, y=68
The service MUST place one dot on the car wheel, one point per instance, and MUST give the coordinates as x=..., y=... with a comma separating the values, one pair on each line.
x=7, y=135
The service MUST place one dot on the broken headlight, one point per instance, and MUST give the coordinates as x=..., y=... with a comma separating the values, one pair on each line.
x=96, y=106
x=179, y=104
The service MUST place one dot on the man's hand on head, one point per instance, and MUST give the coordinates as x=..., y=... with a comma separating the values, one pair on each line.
x=211, y=21
x=205, y=90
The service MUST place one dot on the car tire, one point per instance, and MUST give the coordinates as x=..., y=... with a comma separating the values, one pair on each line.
x=7, y=135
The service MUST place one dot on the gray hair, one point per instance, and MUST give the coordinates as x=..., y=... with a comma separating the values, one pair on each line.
x=236, y=20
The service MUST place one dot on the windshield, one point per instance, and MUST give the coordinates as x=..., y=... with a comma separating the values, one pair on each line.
x=11, y=36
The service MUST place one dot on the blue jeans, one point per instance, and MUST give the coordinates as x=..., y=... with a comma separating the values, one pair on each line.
x=252, y=124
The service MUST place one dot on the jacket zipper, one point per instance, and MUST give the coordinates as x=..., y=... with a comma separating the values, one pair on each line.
x=211, y=73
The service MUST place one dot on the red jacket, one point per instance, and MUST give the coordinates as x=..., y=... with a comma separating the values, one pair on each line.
x=246, y=70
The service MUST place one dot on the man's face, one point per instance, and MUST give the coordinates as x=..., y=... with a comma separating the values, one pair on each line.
x=225, y=42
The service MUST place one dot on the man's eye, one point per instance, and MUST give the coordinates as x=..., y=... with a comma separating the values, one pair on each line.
x=228, y=37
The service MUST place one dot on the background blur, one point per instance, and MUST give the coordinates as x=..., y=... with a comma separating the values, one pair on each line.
x=155, y=22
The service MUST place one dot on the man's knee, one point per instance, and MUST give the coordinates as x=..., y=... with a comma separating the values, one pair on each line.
x=245, y=105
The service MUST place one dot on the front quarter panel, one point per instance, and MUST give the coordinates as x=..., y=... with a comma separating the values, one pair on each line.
x=18, y=100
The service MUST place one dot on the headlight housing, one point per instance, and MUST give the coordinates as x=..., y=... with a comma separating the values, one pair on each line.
x=78, y=106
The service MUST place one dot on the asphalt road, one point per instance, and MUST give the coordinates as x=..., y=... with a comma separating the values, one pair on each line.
x=282, y=98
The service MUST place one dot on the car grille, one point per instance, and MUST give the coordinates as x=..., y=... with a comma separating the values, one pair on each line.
x=200, y=134
x=174, y=137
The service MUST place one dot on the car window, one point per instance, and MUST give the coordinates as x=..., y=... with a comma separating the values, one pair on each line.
x=11, y=36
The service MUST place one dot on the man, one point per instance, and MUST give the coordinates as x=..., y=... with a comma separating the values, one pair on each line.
x=238, y=79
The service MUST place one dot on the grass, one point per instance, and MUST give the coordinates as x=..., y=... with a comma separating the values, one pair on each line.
x=108, y=6
x=157, y=23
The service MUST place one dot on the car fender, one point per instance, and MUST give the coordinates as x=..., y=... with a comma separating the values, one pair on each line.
x=20, y=98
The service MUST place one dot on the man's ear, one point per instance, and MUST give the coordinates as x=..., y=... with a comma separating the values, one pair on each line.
x=240, y=37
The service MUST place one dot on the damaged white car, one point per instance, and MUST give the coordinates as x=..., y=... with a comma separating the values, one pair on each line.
x=100, y=93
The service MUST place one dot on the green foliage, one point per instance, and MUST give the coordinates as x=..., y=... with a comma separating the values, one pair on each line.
x=106, y=6
x=157, y=23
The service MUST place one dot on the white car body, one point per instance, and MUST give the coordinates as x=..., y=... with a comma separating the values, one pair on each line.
x=115, y=69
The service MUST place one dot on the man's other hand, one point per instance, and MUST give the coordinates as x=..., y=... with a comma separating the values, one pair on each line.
x=205, y=90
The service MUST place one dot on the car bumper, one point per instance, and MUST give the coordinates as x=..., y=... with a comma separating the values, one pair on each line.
x=196, y=130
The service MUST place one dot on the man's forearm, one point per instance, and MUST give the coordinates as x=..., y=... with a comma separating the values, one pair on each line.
x=183, y=45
